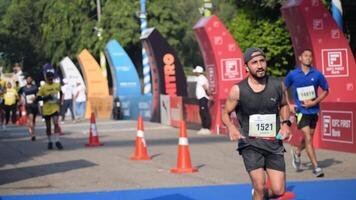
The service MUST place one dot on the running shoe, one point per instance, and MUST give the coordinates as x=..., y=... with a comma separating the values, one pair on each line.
x=33, y=138
x=318, y=172
x=50, y=145
x=59, y=145
x=296, y=162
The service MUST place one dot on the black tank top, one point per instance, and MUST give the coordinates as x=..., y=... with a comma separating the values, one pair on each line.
x=267, y=101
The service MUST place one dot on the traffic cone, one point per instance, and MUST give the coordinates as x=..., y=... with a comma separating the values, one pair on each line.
x=17, y=113
x=285, y=196
x=184, y=164
x=23, y=120
x=141, y=148
x=93, y=136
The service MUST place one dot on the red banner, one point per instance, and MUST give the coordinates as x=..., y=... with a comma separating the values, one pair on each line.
x=223, y=62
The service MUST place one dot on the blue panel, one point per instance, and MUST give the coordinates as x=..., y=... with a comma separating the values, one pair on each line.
x=124, y=74
x=133, y=106
x=309, y=190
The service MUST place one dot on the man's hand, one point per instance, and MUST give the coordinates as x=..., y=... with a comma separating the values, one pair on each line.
x=285, y=132
x=234, y=133
x=308, y=103
x=292, y=108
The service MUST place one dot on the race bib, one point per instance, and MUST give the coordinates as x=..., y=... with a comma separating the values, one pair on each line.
x=30, y=98
x=306, y=93
x=262, y=125
x=55, y=98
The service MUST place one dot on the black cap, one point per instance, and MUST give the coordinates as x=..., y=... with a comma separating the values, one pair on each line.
x=248, y=53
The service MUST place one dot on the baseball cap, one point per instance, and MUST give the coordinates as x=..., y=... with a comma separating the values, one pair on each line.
x=248, y=53
x=198, y=69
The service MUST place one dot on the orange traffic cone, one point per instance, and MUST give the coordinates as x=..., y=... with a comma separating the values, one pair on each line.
x=184, y=164
x=141, y=148
x=285, y=196
x=17, y=113
x=93, y=136
x=23, y=120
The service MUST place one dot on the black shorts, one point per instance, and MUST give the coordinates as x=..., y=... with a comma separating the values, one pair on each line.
x=48, y=117
x=255, y=158
x=307, y=120
x=31, y=109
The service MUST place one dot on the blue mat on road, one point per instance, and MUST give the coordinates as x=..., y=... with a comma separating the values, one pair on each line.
x=309, y=190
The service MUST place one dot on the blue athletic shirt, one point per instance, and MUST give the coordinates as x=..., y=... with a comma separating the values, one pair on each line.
x=297, y=79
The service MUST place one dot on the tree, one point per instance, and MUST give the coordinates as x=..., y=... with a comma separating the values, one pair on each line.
x=263, y=27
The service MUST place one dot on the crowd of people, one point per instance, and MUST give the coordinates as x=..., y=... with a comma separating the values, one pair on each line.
x=20, y=95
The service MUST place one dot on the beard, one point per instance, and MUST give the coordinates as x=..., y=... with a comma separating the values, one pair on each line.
x=258, y=78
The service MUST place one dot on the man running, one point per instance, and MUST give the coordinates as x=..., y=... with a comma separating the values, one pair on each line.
x=262, y=112
x=29, y=92
x=305, y=81
x=50, y=93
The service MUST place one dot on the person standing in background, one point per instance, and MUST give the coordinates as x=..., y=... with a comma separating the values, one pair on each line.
x=80, y=101
x=202, y=93
x=10, y=101
x=67, y=102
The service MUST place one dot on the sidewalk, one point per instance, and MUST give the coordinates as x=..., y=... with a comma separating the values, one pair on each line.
x=29, y=168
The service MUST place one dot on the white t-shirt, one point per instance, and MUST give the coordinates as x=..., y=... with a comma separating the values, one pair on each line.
x=80, y=90
x=67, y=91
x=200, y=91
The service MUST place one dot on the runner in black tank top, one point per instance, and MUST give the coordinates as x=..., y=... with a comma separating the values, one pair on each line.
x=262, y=111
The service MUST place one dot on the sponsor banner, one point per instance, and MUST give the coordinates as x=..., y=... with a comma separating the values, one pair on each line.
x=164, y=60
x=165, y=109
x=315, y=29
x=337, y=126
x=96, y=84
x=124, y=74
x=223, y=62
x=71, y=72
x=176, y=113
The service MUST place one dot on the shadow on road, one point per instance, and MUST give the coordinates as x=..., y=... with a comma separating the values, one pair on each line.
x=22, y=173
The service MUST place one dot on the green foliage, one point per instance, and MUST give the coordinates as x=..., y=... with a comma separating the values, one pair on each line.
x=271, y=36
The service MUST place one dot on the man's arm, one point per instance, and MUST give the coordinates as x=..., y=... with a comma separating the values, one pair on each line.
x=284, y=113
x=230, y=105
x=321, y=97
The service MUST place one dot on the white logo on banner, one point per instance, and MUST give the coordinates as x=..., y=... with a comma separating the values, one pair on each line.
x=318, y=24
x=231, y=47
x=337, y=126
x=231, y=69
x=335, y=62
x=218, y=40
x=350, y=87
x=211, y=77
x=335, y=33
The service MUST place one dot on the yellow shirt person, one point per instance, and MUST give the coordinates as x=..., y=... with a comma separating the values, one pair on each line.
x=10, y=95
x=52, y=91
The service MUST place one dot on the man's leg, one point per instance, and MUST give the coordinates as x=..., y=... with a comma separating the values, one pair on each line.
x=71, y=109
x=277, y=180
x=57, y=131
x=257, y=177
x=30, y=124
x=49, y=132
x=308, y=138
